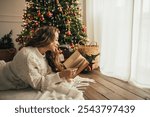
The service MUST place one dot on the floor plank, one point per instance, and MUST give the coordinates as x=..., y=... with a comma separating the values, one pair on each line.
x=106, y=92
x=113, y=89
x=135, y=90
x=92, y=94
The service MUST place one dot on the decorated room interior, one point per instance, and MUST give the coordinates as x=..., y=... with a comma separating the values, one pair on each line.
x=108, y=42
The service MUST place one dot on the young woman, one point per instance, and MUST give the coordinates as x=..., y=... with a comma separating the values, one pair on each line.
x=30, y=66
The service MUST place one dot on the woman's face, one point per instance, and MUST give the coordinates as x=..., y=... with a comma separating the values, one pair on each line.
x=54, y=45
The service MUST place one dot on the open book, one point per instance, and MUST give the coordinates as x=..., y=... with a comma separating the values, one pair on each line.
x=76, y=60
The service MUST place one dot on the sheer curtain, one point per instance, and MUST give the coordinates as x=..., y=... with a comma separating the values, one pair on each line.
x=123, y=29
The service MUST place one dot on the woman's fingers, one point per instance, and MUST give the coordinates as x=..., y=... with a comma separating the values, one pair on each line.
x=68, y=74
x=73, y=71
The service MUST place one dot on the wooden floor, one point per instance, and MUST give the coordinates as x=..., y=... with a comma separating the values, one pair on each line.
x=108, y=88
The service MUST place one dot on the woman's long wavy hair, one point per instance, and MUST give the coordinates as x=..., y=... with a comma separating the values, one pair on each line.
x=43, y=37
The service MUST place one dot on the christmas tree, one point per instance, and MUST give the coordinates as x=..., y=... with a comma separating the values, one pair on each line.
x=65, y=15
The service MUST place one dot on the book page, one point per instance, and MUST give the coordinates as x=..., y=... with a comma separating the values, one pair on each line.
x=76, y=60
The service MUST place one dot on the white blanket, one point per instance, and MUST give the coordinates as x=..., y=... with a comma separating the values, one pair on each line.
x=66, y=90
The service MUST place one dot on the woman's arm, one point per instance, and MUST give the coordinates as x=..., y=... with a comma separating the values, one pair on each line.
x=34, y=77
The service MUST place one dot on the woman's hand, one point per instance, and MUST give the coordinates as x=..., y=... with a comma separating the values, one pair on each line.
x=68, y=73
x=57, y=50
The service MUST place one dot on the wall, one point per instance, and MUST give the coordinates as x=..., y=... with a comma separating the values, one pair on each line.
x=11, y=12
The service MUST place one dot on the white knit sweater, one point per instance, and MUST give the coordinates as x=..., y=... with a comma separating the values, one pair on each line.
x=29, y=67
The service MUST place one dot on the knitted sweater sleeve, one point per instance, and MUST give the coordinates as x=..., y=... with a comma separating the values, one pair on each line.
x=34, y=75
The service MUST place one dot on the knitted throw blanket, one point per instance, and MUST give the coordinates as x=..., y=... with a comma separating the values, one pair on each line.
x=66, y=90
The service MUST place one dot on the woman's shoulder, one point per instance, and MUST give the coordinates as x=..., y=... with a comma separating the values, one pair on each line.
x=25, y=52
x=28, y=54
x=32, y=53
x=28, y=49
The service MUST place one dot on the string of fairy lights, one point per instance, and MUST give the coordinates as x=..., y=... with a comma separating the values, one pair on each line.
x=65, y=15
